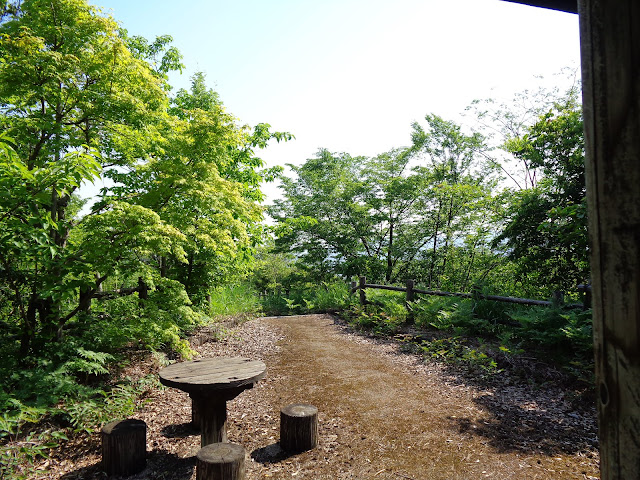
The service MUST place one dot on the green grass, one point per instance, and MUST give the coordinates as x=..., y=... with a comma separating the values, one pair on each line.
x=234, y=300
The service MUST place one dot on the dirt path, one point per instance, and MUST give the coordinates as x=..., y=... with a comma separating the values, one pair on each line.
x=389, y=420
x=383, y=414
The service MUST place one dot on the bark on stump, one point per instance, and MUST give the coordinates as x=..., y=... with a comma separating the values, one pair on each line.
x=220, y=461
x=298, y=427
x=124, y=447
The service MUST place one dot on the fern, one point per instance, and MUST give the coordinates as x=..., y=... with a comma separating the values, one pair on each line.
x=88, y=362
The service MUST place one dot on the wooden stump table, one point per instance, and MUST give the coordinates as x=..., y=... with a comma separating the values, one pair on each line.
x=211, y=382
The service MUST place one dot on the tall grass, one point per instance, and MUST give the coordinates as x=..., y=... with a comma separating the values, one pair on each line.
x=309, y=298
x=234, y=300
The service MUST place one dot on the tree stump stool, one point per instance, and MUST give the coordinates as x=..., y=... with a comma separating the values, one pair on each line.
x=298, y=427
x=220, y=461
x=124, y=447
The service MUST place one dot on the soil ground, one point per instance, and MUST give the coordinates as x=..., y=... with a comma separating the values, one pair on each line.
x=383, y=414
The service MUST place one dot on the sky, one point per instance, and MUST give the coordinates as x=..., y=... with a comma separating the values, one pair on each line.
x=352, y=75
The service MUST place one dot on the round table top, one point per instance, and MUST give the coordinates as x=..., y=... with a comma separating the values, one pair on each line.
x=212, y=374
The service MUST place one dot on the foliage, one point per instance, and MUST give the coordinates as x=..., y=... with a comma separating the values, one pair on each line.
x=383, y=315
x=389, y=216
x=545, y=231
x=22, y=446
x=234, y=300
x=274, y=270
x=81, y=100
x=477, y=332
x=461, y=351
x=309, y=298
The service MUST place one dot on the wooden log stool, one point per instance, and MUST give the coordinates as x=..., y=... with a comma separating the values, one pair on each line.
x=124, y=447
x=298, y=427
x=220, y=461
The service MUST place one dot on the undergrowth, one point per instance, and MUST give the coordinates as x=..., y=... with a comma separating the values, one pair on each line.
x=482, y=335
x=67, y=389
x=30, y=429
x=308, y=298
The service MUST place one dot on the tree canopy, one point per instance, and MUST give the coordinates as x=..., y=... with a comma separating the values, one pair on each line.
x=80, y=99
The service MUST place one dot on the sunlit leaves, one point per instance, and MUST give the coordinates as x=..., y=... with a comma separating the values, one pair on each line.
x=546, y=229
x=383, y=216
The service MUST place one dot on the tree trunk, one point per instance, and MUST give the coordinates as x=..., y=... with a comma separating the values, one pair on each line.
x=435, y=245
x=611, y=96
x=389, y=255
x=28, y=329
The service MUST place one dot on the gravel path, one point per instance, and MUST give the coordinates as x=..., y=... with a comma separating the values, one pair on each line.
x=383, y=414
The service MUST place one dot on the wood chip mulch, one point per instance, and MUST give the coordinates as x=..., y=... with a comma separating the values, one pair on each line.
x=508, y=416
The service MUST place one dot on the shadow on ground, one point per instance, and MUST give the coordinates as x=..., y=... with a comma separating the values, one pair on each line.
x=270, y=454
x=179, y=430
x=159, y=463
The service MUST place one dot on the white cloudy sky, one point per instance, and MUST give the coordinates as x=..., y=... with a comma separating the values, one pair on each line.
x=352, y=75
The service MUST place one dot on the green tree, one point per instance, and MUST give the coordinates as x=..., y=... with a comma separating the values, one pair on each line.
x=462, y=182
x=75, y=101
x=80, y=98
x=387, y=216
x=546, y=226
x=205, y=165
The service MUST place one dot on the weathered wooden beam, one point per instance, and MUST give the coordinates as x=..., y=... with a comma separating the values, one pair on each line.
x=497, y=298
x=570, y=6
x=362, y=281
x=610, y=46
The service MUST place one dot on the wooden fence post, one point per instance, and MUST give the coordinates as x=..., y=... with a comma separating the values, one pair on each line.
x=363, y=295
x=557, y=298
x=410, y=297
x=585, y=290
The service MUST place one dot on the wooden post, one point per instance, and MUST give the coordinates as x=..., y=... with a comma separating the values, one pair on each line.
x=195, y=414
x=610, y=49
x=213, y=418
x=410, y=297
x=557, y=298
x=220, y=461
x=298, y=427
x=124, y=447
x=363, y=295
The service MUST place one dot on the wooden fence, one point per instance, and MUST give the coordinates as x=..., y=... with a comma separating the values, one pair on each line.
x=411, y=291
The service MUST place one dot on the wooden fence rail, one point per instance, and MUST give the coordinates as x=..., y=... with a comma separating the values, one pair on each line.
x=411, y=291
